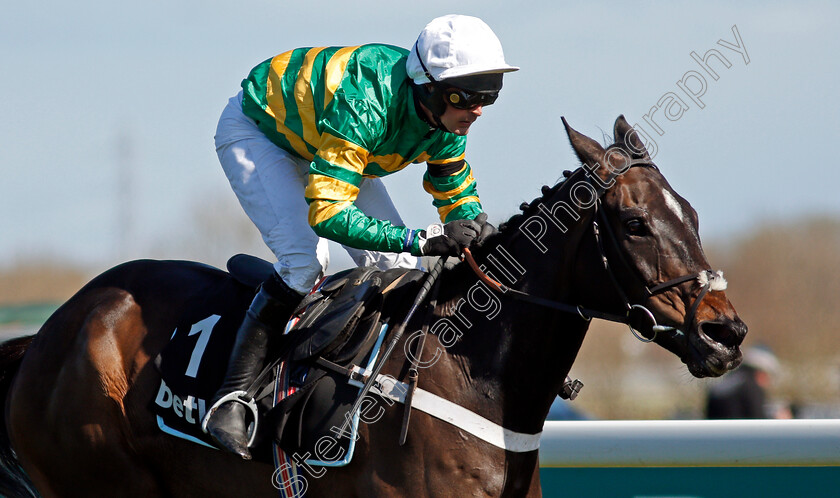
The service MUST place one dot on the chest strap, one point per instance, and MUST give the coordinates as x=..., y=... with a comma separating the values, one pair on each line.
x=454, y=414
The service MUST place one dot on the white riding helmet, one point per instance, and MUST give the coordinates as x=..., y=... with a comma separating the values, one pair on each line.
x=455, y=46
x=460, y=52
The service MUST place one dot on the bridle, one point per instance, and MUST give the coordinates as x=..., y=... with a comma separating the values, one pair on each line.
x=706, y=278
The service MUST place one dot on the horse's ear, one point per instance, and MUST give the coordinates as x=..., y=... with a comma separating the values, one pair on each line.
x=627, y=136
x=588, y=151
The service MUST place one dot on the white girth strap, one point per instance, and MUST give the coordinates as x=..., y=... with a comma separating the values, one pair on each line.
x=456, y=415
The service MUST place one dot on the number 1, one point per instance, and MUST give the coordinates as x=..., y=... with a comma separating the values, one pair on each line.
x=205, y=328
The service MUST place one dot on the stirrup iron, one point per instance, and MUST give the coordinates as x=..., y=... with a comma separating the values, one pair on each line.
x=237, y=397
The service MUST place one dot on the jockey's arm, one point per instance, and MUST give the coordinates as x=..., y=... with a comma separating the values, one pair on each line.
x=349, y=131
x=452, y=186
x=334, y=178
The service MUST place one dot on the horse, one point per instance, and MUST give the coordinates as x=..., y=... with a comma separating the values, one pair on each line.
x=610, y=240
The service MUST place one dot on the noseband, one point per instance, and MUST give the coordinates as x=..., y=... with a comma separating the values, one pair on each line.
x=708, y=280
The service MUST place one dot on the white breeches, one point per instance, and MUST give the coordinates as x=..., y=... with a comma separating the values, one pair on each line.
x=270, y=182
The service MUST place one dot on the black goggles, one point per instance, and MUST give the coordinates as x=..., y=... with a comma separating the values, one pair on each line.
x=463, y=99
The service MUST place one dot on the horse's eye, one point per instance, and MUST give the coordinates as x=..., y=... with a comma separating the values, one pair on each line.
x=635, y=226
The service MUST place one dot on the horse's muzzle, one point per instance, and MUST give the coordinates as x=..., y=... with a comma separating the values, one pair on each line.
x=724, y=331
x=714, y=347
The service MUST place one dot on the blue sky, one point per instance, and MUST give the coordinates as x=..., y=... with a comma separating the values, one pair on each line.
x=79, y=79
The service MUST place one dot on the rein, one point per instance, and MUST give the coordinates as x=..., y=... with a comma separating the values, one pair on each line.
x=707, y=279
x=584, y=313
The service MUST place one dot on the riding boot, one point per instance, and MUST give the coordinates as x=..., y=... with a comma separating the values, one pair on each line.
x=271, y=308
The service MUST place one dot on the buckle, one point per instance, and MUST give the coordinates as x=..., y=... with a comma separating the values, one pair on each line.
x=571, y=388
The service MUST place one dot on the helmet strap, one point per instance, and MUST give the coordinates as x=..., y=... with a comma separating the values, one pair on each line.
x=430, y=99
x=422, y=65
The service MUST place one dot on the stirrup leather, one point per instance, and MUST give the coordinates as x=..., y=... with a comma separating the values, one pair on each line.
x=238, y=397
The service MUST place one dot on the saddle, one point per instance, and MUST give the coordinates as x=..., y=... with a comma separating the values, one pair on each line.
x=308, y=393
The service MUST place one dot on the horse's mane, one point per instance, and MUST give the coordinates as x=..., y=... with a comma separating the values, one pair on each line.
x=530, y=208
x=508, y=229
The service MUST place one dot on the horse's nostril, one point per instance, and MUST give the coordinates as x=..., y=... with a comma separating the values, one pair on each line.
x=727, y=332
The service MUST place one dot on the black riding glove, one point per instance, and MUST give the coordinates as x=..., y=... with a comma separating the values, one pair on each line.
x=449, y=239
x=486, y=229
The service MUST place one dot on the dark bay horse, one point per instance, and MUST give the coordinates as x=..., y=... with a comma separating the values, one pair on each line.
x=613, y=239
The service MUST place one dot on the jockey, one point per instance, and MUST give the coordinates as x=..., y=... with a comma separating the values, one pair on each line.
x=304, y=144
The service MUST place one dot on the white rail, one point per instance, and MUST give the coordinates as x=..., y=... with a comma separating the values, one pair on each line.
x=690, y=443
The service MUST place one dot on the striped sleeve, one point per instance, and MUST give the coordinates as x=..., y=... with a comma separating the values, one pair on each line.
x=450, y=181
x=334, y=178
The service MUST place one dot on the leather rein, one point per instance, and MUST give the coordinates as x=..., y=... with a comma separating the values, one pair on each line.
x=706, y=278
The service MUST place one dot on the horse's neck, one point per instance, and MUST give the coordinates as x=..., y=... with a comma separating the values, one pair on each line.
x=516, y=355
